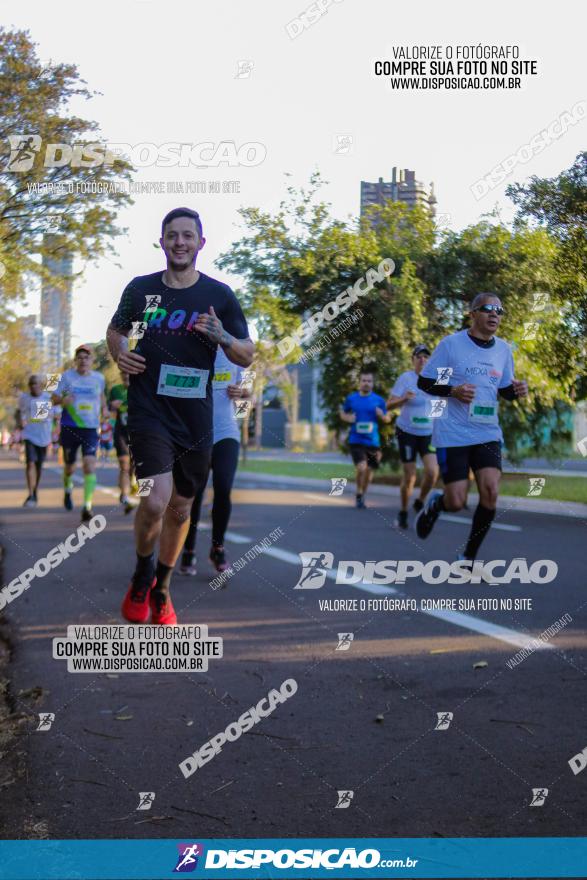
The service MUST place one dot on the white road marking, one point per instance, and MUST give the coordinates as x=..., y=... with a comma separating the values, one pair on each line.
x=447, y=517
x=457, y=618
x=520, y=640
x=451, y=517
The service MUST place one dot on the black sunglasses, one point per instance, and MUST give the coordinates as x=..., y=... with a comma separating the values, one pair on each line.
x=488, y=308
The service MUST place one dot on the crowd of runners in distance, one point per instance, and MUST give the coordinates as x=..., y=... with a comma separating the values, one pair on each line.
x=173, y=418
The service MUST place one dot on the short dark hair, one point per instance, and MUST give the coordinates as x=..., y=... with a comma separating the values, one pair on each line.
x=479, y=297
x=182, y=212
x=367, y=372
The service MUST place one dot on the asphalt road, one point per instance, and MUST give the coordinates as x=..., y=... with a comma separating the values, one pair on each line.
x=362, y=719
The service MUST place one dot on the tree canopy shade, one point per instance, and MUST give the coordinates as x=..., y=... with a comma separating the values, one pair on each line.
x=299, y=259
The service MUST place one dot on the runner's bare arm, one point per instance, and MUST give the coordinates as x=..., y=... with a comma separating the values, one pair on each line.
x=347, y=417
x=398, y=401
x=238, y=351
x=118, y=347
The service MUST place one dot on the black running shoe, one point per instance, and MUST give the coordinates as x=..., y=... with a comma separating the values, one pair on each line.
x=86, y=514
x=67, y=501
x=30, y=501
x=188, y=564
x=360, y=504
x=418, y=505
x=218, y=558
x=402, y=519
x=428, y=515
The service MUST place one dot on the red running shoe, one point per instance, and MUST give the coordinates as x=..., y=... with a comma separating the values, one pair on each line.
x=162, y=610
x=135, y=606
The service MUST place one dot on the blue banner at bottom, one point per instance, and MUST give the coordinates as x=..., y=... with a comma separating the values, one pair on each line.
x=289, y=858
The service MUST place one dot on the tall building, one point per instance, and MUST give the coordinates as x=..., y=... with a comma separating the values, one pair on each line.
x=45, y=341
x=403, y=187
x=56, y=298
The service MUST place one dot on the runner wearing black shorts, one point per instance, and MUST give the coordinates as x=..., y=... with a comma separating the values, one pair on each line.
x=35, y=419
x=118, y=403
x=179, y=318
x=414, y=434
x=363, y=410
x=466, y=373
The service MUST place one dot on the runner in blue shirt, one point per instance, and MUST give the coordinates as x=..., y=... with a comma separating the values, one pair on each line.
x=469, y=369
x=413, y=430
x=363, y=410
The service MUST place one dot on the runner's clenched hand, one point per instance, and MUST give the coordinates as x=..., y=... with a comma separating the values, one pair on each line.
x=131, y=363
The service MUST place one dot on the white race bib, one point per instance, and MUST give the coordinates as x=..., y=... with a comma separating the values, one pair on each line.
x=484, y=412
x=182, y=381
x=364, y=427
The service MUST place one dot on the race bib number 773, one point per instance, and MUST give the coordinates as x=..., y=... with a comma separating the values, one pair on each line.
x=182, y=381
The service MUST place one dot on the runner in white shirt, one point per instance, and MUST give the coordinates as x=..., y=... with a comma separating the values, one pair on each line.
x=465, y=374
x=36, y=420
x=229, y=384
x=413, y=430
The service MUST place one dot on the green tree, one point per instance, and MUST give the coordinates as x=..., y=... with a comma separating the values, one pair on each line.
x=559, y=205
x=37, y=199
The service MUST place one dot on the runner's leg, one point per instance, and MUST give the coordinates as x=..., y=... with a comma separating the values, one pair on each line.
x=224, y=465
x=430, y=475
x=89, y=469
x=407, y=484
x=188, y=557
x=124, y=477
x=488, y=484
x=361, y=480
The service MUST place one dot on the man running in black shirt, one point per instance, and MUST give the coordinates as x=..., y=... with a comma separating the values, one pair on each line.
x=179, y=317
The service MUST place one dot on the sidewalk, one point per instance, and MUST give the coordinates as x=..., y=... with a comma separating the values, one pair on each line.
x=528, y=505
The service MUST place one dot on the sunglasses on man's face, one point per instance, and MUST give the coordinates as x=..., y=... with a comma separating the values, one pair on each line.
x=488, y=308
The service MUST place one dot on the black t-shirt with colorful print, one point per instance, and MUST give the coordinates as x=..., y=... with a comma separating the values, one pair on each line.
x=173, y=395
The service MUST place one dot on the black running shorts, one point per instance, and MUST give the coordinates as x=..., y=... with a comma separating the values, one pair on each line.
x=370, y=454
x=154, y=454
x=412, y=445
x=34, y=454
x=455, y=461
x=121, y=441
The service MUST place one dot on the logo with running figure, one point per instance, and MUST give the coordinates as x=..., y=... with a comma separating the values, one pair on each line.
x=338, y=485
x=42, y=408
x=537, y=484
x=23, y=150
x=539, y=795
x=52, y=382
x=444, y=374
x=444, y=719
x=242, y=409
x=138, y=329
x=315, y=567
x=146, y=799
x=436, y=407
x=46, y=719
x=187, y=861
x=344, y=799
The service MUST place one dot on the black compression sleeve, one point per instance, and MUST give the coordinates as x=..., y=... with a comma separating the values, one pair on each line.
x=508, y=392
x=430, y=387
